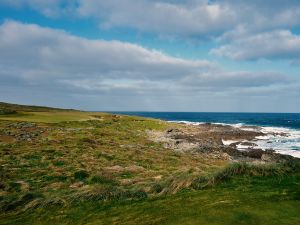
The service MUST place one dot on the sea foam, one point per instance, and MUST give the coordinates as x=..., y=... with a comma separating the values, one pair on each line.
x=285, y=141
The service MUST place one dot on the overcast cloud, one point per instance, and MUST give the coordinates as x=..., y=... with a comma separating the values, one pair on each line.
x=51, y=63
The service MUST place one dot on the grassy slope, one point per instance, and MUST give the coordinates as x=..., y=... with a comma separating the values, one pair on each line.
x=243, y=200
x=28, y=108
x=74, y=142
x=50, y=117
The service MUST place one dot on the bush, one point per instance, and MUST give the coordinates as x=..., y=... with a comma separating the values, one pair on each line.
x=7, y=111
x=81, y=175
x=156, y=188
x=102, y=180
x=59, y=163
x=139, y=195
x=59, y=178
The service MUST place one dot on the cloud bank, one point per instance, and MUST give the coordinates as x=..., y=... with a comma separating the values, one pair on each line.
x=184, y=18
x=278, y=44
x=121, y=75
x=248, y=30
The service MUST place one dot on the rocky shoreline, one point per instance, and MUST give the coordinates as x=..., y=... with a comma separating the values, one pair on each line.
x=208, y=139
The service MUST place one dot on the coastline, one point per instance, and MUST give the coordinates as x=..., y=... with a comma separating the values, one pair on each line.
x=280, y=131
x=285, y=141
x=67, y=160
x=244, y=142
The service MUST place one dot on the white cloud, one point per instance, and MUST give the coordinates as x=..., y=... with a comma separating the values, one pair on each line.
x=186, y=18
x=193, y=18
x=32, y=47
x=50, y=62
x=41, y=55
x=183, y=18
x=231, y=20
x=270, y=45
x=35, y=53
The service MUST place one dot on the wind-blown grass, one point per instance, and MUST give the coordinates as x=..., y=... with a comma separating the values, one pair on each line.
x=246, y=169
x=98, y=168
x=240, y=200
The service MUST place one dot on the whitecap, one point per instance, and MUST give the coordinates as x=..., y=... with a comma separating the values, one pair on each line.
x=282, y=140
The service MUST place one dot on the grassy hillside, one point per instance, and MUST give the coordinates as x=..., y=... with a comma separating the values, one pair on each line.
x=244, y=200
x=28, y=108
x=72, y=167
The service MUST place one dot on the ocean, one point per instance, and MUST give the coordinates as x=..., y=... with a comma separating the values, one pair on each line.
x=282, y=130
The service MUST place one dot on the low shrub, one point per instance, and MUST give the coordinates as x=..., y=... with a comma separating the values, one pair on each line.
x=102, y=180
x=59, y=163
x=7, y=112
x=81, y=175
x=59, y=178
x=139, y=195
x=156, y=188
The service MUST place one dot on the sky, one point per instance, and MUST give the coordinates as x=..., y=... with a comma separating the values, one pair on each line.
x=151, y=55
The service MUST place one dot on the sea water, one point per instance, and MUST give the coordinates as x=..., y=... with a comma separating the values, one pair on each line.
x=281, y=130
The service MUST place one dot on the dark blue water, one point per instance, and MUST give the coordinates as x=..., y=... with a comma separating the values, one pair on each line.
x=287, y=120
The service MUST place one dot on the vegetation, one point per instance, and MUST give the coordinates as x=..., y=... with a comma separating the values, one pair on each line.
x=28, y=108
x=72, y=167
x=7, y=112
x=273, y=170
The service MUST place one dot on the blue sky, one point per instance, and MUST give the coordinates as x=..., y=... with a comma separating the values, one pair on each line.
x=152, y=55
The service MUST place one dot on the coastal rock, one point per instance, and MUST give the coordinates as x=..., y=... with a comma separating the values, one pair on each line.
x=247, y=143
x=253, y=153
x=267, y=157
x=207, y=139
x=22, y=125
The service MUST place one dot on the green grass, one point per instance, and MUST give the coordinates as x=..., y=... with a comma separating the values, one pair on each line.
x=49, y=117
x=112, y=150
x=27, y=108
x=273, y=170
x=243, y=200
x=98, y=168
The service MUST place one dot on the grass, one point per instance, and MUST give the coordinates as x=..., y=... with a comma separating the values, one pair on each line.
x=50, y=117
x=27, y=108
x=65, y=143
x=81, y=175
x=273, y=170
x=242, y=200
x=72, y=167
